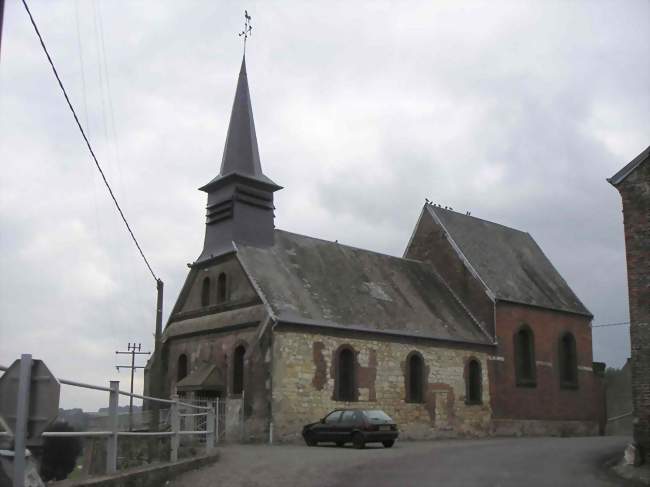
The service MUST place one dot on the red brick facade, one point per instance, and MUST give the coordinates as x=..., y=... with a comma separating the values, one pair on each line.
x=635, y=192
x=547, y=400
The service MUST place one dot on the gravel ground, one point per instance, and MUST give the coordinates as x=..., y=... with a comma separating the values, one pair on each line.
x=555, y=462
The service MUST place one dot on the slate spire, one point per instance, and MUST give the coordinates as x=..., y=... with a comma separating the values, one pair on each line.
x=240, y=198
x=240, y=154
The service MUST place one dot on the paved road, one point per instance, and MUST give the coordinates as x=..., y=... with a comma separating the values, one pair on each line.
x=523, y=462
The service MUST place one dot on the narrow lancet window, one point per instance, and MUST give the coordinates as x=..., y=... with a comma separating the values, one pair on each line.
x=474, y=382
x=415, y=378
x=525, y=367
x=205, y=292
x=238, y=370
x=345, y=376
x=568, y=361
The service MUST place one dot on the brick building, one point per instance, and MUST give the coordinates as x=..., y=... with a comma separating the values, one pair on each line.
x=472, y=332
x=633, y=183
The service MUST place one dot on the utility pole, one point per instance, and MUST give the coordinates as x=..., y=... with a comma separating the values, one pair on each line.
x=133, y=350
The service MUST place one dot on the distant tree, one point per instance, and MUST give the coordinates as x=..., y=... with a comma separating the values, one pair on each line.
x=59, y=454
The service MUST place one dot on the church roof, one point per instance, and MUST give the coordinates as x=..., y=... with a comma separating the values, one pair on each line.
x=309, y=281
x=629, y=167
x=509, y=262
x=241, y=155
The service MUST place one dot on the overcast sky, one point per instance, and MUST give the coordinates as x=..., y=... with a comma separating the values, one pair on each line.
x=516, y=111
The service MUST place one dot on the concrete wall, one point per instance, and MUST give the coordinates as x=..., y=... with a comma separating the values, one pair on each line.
x=635, y=192
x=304, y=379
x=548, y=400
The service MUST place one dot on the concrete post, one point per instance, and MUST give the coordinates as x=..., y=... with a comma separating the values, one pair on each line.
x=175, y=420
x=22, y=416
x=111, y=442
x=209, y=437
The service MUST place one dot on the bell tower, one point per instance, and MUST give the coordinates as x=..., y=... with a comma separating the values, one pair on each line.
x=240, y=198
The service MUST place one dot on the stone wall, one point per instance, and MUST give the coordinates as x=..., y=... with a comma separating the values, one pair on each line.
x=304, y=381
x=635, y=192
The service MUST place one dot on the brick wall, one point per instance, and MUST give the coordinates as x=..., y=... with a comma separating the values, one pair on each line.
x=547, y=400
x=304, y=378
x=635, y=192
x=430, y=244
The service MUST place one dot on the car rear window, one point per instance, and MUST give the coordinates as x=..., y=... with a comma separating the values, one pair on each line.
x=377, y=415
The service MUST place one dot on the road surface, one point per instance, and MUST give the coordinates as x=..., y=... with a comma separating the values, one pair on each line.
x=502, y=462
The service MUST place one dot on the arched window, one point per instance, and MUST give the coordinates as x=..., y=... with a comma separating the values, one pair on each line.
x=222, y=289
x=181, y=370
x=414, y=378
x=568, y=361
x=474, y=381
x=525, y=369
x=205, y=292
x=238, y=370
x=345, y=375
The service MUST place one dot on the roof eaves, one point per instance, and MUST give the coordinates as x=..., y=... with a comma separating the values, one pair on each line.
x=629, y=167
x=363, y=329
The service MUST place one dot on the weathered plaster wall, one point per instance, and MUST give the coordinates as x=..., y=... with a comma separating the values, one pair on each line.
x=547, y=400
x=304, y=378
x=239, y=290
x=218, y=348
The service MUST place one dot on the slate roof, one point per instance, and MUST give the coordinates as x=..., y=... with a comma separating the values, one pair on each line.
x=316, y=282
x=509, y=262
x=629, y=167
x=206, y=377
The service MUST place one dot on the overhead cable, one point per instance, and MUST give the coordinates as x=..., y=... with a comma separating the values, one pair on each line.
x=83, y=134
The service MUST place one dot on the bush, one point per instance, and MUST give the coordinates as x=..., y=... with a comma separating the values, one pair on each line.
x=59, y=454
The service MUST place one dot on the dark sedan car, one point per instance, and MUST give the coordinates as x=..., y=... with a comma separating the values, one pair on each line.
x=359, y=426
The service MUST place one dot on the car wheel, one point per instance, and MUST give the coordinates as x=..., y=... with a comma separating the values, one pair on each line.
x=309, y=439
x=340, y=443
x=388, y=443
x=358, y=441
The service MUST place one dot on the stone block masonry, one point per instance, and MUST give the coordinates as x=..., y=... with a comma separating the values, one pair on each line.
x=304, y=372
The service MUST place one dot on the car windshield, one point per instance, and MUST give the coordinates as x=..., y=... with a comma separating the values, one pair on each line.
x=377, y=415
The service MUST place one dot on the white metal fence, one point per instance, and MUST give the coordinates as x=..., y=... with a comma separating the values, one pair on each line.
x=179, y=421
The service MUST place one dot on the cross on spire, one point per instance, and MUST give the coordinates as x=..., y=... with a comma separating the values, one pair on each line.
x=248, y=28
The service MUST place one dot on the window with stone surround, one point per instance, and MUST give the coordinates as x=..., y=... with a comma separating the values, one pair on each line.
x=414, y=377
x=345, y=386
x=473, y=382
x=222, y=288
x=568, y=361
x=181, y=369
x=525, y=367
x=238, y=370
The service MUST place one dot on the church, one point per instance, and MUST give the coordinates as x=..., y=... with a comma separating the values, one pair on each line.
x=472, y=332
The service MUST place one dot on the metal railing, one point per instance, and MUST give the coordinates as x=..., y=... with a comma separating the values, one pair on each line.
x=113, y=433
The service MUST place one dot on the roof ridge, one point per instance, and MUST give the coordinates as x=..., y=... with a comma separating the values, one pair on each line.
x=479, y=219
x=348, y=246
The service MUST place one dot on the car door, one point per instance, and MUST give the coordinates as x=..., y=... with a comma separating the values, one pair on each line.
x=327, y=430
x=346, y=426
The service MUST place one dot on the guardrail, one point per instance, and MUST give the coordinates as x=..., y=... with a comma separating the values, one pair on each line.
x=112, y=434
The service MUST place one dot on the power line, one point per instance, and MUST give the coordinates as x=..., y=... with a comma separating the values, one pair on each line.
x=620, y=323
x=83, y=134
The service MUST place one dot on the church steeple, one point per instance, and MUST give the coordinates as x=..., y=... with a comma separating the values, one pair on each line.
x=240, y=198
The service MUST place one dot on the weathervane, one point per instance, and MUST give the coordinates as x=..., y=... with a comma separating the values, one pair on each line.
x=247, y=28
